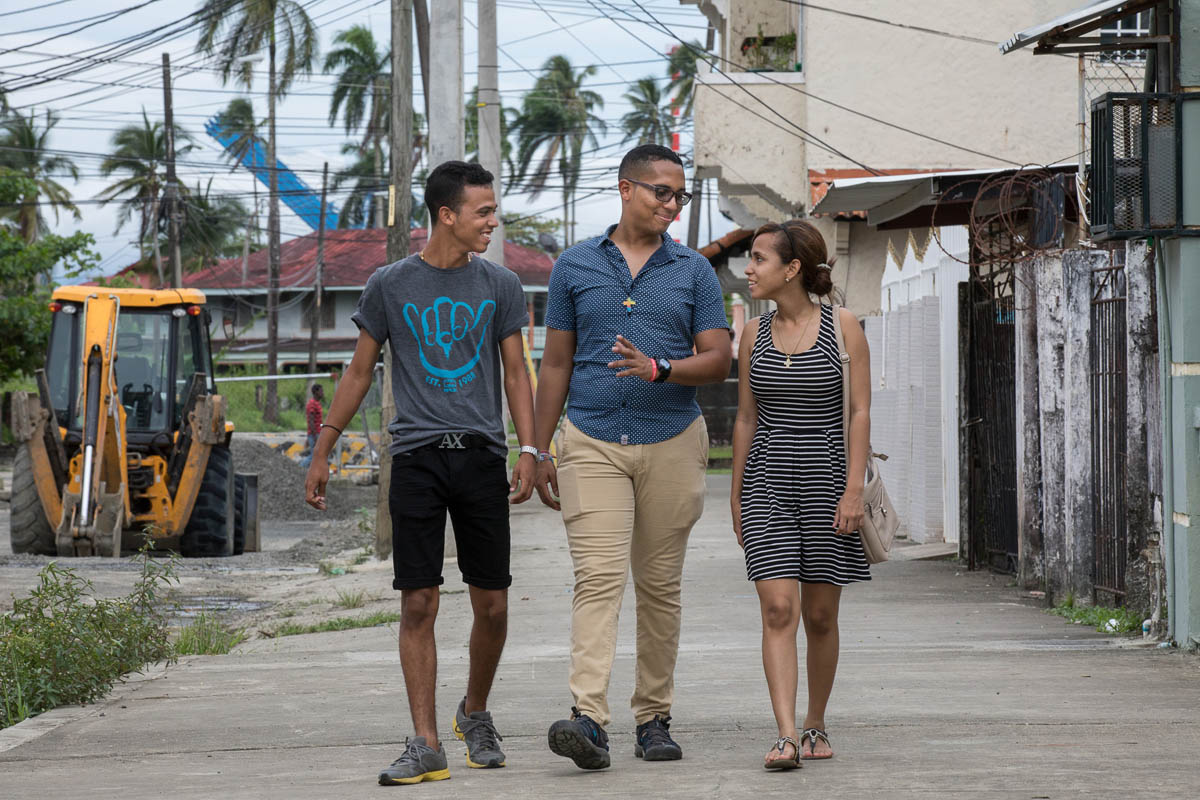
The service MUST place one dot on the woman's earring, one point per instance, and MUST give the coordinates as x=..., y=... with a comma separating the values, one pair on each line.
x=788, y=279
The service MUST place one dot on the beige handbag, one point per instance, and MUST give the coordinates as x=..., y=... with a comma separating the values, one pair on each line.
x=879, y=523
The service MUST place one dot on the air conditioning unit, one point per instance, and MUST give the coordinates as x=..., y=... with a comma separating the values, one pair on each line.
x=1135, y=186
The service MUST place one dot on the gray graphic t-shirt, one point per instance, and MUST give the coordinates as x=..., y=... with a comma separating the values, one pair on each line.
x=445, y=327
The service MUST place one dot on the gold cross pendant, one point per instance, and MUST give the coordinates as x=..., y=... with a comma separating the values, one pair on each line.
x=629, y=303
x=787, y=362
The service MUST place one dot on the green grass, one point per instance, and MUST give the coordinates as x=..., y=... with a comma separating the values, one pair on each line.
x=347, y=599
x=1098, y=617
x=63, y=645
x=721, y=451
x=246, y=416
x=336, y=624
x=207, y=635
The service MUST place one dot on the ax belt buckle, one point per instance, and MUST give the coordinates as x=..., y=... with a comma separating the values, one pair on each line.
x=452, y=441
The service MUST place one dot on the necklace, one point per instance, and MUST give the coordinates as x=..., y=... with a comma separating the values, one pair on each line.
x=787, y=362
x=421, y=255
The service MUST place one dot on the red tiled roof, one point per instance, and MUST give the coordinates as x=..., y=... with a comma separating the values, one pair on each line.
x=350, y=258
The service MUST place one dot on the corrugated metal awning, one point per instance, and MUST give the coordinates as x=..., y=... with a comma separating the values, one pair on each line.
x=896, y=197
x=1069, y=28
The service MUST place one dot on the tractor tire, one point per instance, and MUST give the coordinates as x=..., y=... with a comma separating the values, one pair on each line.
x=239, y=507
x=30, y=531
x=210, y=529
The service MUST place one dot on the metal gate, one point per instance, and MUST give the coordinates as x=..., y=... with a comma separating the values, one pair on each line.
x=991, y=421
x=1109, y=418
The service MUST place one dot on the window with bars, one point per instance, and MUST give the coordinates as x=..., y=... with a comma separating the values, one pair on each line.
x=1134, y=25
x=327, y=316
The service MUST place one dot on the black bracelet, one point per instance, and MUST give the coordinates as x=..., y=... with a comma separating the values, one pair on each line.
x=335, y=427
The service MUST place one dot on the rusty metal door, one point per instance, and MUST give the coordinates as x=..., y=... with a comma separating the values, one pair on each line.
x=1109, y=418
x=991, y=424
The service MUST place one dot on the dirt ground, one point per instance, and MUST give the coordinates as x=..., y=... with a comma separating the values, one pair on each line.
x=307, y=560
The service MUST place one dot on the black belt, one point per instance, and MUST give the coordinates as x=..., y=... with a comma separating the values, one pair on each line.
x=773, y=429
x=457, y=441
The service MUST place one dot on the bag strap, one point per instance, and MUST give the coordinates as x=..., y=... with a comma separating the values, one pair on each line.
x=845, y=359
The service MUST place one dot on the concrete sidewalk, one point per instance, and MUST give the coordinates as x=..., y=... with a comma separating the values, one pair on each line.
x=950, y=685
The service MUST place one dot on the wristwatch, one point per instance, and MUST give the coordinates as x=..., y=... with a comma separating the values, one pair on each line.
x=664, y=370
x=530, y=449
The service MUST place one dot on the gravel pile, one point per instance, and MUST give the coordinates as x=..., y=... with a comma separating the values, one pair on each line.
x=281, y=485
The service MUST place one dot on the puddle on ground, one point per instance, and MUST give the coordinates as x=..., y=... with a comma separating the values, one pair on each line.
x=190, y=607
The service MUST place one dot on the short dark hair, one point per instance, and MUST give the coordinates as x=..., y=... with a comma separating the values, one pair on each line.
x=317, y=389
x=444, y=188
x=643, y=154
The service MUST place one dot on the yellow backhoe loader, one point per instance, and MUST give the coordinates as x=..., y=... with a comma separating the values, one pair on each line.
x=126, y=434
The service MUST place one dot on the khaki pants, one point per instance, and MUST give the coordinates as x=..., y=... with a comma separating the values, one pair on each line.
x=623, y=505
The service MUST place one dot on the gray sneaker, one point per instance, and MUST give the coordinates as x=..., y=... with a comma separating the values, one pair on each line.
x=481, y=737
x=419, y=762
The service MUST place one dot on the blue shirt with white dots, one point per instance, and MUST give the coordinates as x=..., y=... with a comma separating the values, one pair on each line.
x=675, y=296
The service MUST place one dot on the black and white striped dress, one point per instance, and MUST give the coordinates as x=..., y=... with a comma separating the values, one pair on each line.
x=796, y=469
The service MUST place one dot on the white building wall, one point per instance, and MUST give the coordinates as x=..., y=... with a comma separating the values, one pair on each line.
x=914, y=411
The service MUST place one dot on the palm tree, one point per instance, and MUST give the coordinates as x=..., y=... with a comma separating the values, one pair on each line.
x=649, y=122
x=141, y=152
x=681, y=66
x=363, y=174
x=232, y=32
x=238, y=119
x=24, y=150
x=211, y=225
x=363, y=90
x=507, y=117
x=557, y=120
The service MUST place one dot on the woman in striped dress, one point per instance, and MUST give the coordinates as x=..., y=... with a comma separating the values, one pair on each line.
x=796, y=506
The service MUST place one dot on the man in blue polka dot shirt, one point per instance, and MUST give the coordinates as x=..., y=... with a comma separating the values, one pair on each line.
x=634, y=322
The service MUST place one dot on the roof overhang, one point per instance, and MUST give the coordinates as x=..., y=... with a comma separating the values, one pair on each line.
x=909, y=201
x=1065, y=34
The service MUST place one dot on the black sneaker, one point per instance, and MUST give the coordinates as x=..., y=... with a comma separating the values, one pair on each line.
x=654, y=742
x=581, y=740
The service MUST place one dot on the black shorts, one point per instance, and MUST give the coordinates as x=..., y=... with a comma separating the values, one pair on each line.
x=472, y=485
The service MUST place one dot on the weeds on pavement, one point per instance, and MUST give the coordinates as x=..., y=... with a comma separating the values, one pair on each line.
x=336, y=624
x=207, y=635
x=1103, y=619
x=348, y=599
x=62, y=645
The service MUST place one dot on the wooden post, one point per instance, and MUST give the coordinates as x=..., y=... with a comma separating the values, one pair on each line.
x=399, y=212
x=1078, y=528
x=1030, y=558
x=173, y=210
x=383, y=517
x=314, y=333
x=1049, y=287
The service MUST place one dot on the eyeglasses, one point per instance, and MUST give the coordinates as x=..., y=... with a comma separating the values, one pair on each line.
x=663, y=194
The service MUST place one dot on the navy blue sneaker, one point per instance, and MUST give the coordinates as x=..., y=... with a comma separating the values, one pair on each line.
x=654, y=742
x=581, y=740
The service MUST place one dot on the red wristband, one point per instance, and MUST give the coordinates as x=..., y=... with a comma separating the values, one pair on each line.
x=653, y=369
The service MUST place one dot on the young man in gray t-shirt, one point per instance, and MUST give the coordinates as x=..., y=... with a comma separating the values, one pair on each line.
x=451, y=318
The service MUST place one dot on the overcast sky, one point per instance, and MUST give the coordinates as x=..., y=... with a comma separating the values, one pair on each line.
x=95, y=103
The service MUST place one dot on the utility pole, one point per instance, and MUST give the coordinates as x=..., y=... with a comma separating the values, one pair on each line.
x=319, y=289
x=421, y=14
x=399, y=214
x=446, y=134
x=488, y=110
x=274, y=253
x=173, y=210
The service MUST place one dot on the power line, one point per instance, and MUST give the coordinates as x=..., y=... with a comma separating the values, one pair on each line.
x=34, y=8
x=868, y=18
x=847, y=109
x=805, y=135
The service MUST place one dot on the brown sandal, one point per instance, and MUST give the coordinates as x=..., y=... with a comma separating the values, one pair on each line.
x=781, y=762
